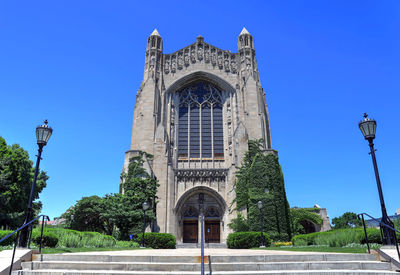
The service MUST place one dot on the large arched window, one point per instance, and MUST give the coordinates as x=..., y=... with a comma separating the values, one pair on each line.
x=200, y=129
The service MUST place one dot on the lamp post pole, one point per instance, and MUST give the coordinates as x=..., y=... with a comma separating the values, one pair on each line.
x=43, y=134
x=262, y=241
x=368, y=128
x=201, y=204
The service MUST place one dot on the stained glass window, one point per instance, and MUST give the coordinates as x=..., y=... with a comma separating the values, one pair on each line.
x=200, y=124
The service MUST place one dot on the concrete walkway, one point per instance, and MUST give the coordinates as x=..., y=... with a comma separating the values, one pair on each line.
x=5, y=259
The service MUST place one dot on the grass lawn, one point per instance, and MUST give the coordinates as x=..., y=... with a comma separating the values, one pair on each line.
x=320, y=249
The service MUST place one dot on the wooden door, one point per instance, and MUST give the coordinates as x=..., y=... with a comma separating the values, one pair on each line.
x=190, y=231
x=212, y=234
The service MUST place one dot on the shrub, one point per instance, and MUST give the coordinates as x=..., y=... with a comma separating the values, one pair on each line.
x=49, y=239
x=158, y=240
x=74, y=238
x=338, y=237
x=246, y=240
x=10, y=240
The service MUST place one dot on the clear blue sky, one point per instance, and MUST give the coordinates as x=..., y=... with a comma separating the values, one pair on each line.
x=322, y=64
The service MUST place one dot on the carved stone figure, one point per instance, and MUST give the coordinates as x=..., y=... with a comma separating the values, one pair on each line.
x=166, y=66
x=220, y=62
x=173, y=66
x=186, y=57
x=207, y=57
x=233, y=66
x=213, y=59
x=180, y=62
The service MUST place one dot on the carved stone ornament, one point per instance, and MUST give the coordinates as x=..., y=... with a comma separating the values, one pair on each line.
x=212, y=212
x=190, y=212
x=201, y=174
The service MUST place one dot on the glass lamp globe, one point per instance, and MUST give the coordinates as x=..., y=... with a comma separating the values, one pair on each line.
x=43, y=133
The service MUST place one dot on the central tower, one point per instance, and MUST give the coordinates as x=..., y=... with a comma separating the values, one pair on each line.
x=195, y=111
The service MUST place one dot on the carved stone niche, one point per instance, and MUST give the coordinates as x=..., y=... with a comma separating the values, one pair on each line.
x=193, y=54
x=186, y=57
x=206, y=54
x=173, y=64
x=166, y=65
x=180, y=61
x=200, y=52
x=213, y=57
x=220, y=60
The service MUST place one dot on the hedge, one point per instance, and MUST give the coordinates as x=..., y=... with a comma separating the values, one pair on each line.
x=10, y=240
x=49, y=239
x=158, y=240
x=246, y=240
x=338, y=237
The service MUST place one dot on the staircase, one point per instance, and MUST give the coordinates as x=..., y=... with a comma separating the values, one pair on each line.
x=306, y=264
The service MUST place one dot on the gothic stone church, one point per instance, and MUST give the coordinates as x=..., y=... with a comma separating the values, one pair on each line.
x=195, y=111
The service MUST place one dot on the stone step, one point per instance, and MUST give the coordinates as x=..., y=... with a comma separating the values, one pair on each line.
x=214, y=259
x=197, y=245
x=187, y=267
x=280, y=272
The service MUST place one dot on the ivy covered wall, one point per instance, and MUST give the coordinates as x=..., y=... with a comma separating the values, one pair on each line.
x=260, y=178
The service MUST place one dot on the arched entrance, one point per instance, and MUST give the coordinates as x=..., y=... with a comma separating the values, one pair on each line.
x=188, y=213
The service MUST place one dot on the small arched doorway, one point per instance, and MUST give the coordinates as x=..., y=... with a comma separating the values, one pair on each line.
x=188, y=214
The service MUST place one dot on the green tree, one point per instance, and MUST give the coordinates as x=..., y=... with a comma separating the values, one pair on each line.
x=261, y=172
x=86, y=214
x=347, y=220
x=16, y=175
x=138, y=186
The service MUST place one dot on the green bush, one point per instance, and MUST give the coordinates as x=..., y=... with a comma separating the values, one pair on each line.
x=10, y=240
x=246, y=240
x=49, y=239
x=338, y=237
x=74, y=238
x=158, y=240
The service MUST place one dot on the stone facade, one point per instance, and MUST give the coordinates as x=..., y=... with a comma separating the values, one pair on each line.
x=195, y=111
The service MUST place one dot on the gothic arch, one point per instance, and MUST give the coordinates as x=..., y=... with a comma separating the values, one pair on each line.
x=196, y=190
x=200, y=75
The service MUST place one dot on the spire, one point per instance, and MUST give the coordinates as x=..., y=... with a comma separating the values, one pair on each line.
x=244, y=31
x=155, y=33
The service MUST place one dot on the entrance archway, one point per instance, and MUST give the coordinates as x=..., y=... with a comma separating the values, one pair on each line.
x=188, y=211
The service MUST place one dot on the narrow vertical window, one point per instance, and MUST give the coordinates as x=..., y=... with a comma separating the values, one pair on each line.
x=183, y=132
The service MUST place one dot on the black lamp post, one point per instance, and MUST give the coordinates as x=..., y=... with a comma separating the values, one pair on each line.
x=145, y=207
x=201, y=206
x=368, y=129
x=262, y=243
x=43, y=134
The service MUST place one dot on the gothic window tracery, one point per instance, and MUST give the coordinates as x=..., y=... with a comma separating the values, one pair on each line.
x=200, y=124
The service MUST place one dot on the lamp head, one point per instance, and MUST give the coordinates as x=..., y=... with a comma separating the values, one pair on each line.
x=260, y=205
x=43, y=133
x=368, y=127
x=145, y=206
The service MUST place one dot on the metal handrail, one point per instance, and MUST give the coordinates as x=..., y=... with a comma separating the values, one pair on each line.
x=16, y=238
x=381, y=223
x=209, y=265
